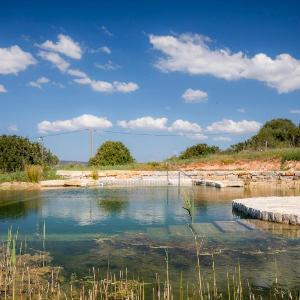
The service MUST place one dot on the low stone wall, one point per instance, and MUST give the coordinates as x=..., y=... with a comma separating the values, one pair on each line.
x=287, y=178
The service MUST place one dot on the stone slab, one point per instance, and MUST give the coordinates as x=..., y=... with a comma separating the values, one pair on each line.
x=205, y=228
x=231, y=226
x=180, y=230
x=274, y=209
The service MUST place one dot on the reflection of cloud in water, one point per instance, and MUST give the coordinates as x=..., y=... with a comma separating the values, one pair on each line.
x=144, y=206
x=82, y=211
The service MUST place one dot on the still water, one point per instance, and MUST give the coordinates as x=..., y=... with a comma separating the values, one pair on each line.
x=135, y=228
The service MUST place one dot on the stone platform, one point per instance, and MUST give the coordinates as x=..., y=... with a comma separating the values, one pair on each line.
x=273, y=209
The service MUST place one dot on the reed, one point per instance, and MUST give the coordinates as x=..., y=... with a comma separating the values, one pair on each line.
x=34, y=173
x=28, y=276
x=95, y=174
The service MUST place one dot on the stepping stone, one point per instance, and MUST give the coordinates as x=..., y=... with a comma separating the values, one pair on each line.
x=230, y=226
x=161, y=232
x=205, y=228
x=180, y=230
x=246, y=223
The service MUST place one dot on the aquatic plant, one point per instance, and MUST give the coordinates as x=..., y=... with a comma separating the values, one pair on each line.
x=189, y=206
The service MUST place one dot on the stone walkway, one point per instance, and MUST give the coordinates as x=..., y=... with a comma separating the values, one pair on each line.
x=273, y=209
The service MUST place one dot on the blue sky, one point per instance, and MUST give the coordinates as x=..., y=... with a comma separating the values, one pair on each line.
x=181, y=72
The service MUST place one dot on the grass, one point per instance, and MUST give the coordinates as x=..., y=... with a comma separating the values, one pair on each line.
x=31, y=174
x=28, y=274
x=281, y=155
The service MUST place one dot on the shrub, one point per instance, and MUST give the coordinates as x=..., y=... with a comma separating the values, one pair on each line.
x=34, y=173
x=291, y=156
x=16, y=152
x=111, y=153
x=198, y=150
x=95, y=174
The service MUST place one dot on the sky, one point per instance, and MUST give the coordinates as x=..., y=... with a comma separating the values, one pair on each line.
x=157, y=75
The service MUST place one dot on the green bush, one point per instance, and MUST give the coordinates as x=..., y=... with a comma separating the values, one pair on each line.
x=291, y=156
x=111, y=153
x=198, y=150
x=16, y=152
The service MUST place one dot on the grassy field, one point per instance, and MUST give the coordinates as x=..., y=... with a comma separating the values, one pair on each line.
x=282, y=155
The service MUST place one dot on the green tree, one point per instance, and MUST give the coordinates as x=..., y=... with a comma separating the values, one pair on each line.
x=198, y=150
x=111, y=153
x=276, y=133
x=16, y=152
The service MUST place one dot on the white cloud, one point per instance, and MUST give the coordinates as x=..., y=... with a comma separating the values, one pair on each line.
x=230, y=126
x=65, y=45
x=56, y=59
x=13, y=128
x=295, y=111
x=82, y=122
x=14, y=59
x=145, y=123
x=222, y=139
x=110, y=66
x=191, y=54
x=39, y=82
x=106, y=31
x=197, y=136
x=77, y=73
x=3, y=89
x=192, y=96
x=107, y=87
x=185, y=126
x=105, y=49
x=241, y=110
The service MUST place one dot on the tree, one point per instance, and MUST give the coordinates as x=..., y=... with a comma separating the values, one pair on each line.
x=111, y=153
x=16, y=152
x=276, y=133
x=198, y=150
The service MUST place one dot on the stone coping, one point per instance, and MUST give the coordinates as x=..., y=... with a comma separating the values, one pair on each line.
x=273, y=209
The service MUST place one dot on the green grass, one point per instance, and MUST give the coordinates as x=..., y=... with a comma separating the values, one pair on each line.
x=22, y=176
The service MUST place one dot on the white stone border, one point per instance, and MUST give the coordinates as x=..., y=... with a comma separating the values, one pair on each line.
x=273, y=209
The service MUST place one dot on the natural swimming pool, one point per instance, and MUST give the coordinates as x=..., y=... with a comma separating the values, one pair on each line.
x=134, y=228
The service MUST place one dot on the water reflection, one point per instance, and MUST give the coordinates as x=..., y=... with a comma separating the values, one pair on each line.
x=130, y=227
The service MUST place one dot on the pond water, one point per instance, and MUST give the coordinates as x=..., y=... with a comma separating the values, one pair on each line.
x=136, y=228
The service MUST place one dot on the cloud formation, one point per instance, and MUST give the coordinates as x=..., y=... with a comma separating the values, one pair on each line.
x=3, y=89
x=65, y=45
x=14, y=60
x=104, y=86
x=295, y=111
x=230, y=126
x=85, y=121
x=194, y=96
x=39, y=82
x=185, y=126
x=13, y=128
x=146, y=122
x=55, y=59
x=191, y=54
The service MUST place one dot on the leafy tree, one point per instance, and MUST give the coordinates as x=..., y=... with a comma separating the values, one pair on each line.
x=276, y=133
x=16, y=152
x=111, y=153
x=198, y=150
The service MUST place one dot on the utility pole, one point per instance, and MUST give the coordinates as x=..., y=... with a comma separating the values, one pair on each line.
x=91, y=142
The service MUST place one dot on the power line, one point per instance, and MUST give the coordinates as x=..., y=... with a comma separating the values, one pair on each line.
x=131, y=133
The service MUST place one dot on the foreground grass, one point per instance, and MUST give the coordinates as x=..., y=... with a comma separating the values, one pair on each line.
x=29, y=275
x=282, y=155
